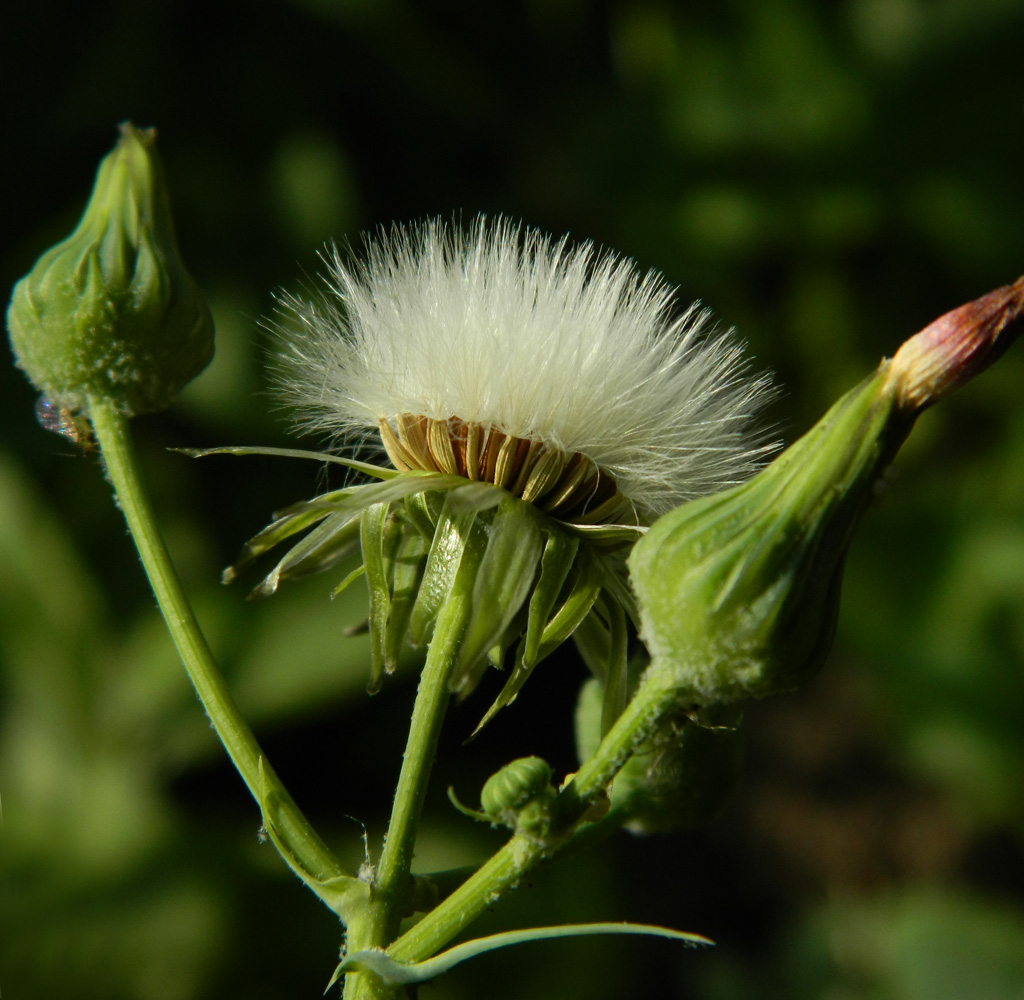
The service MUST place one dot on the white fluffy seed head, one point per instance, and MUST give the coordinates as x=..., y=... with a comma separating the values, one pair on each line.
x=506, y=328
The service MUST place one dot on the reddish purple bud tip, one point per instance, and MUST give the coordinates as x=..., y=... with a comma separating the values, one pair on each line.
x=956, y=347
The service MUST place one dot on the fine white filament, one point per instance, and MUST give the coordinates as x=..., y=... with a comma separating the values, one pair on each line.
x=504, y=327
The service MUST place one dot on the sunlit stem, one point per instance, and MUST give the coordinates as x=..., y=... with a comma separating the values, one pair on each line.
x=393, y=884
x=113, y=436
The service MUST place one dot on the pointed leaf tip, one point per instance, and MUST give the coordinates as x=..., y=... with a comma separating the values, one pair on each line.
x=408, y=973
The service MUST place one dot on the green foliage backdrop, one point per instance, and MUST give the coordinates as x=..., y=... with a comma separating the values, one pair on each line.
x=828, y=177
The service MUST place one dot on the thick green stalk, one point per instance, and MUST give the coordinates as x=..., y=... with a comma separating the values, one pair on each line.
x=113, y=436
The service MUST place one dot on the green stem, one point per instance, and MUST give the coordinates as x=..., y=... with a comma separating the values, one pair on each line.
x=421, y=747
x=393, y=883
x=652, y=701
x=493, y=878
x=522, y=853
x=113, y=435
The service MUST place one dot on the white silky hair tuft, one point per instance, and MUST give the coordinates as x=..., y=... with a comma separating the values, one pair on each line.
x=502, y=326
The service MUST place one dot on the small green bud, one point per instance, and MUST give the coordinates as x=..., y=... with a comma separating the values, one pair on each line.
x=739, y=592
x=111, y=310
x=521, y=796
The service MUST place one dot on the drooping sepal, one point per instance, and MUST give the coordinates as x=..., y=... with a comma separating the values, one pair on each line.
x=527, y=581
x=503, y=583
x=329, y=543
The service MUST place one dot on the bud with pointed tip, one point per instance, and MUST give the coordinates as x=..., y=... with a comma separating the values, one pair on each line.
x=739, y=592
x=111, y=311
x=956, y=347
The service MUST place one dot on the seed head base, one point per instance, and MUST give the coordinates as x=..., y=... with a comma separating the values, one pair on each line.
x=569, y=487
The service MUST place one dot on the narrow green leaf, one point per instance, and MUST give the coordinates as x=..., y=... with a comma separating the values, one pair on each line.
x=402, y=973
x=575, y=608
x=336, y=538
x=377, y=471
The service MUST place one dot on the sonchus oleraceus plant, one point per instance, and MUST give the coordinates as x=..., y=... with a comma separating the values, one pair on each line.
x=566, y=453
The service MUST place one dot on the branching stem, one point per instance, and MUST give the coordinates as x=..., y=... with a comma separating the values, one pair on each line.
x=522, y=852
x=114, y=438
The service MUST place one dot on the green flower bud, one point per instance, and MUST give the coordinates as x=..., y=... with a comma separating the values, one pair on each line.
x=111, y=311
x=739, y=592
x=521, y=796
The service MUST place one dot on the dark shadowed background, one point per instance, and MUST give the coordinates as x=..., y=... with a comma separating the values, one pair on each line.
x=829, y=178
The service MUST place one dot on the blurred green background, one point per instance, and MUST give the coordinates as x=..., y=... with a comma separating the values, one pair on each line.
x=829, y=178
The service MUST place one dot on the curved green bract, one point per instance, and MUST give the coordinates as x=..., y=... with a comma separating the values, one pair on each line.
x=402, y=973
x=377, y=471
x=515, y=785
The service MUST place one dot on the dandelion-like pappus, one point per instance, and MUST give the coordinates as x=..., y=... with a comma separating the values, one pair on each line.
x=540, y=404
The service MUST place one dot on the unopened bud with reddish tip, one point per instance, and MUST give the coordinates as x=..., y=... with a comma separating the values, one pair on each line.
x=956, y=347
x=738, y=593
